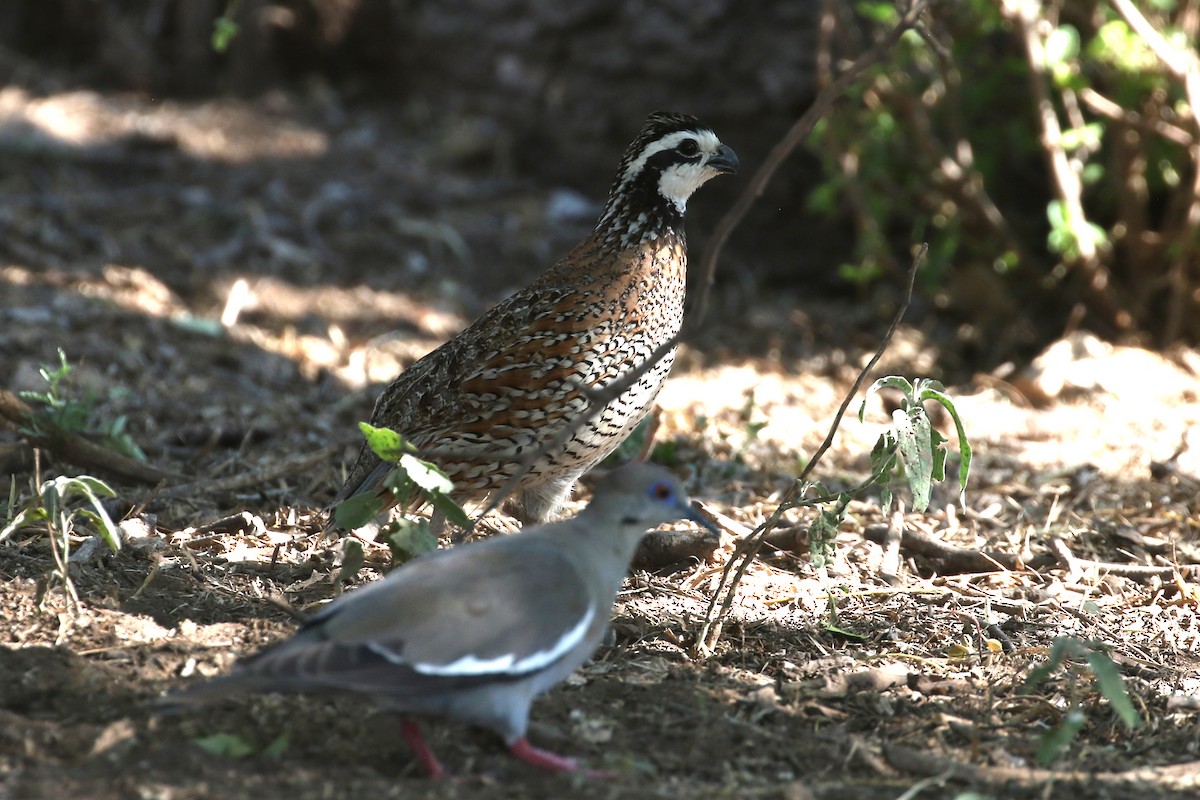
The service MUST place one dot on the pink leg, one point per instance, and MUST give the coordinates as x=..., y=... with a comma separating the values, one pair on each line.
x=544, y=759
x=412, y=735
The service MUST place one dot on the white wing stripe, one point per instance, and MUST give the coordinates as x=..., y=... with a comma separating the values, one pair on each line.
x=470, y=665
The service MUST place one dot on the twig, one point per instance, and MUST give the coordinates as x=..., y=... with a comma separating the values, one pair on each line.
x=1184, y=65
x=1026, y=15
x=1176, y=776
x=748, y=549
x=951, y=560
x=72, y=447
x=790, y=141
x=1101, y=105
x=1077, y=566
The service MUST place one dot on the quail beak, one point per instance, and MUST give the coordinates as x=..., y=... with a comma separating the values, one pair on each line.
x=724, y=160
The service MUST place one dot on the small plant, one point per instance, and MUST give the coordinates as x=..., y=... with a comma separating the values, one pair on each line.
x=59, y=505
x=411, y=481
x=225, y=27
x=1069, y=651
x=236, y=745
x=912, y=444
x=55, y=409
x=911, y=447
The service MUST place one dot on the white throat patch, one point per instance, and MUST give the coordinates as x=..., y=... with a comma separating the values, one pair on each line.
x=678, y=182
x=707, y=141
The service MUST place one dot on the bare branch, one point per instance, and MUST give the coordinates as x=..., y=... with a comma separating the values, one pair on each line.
x=1026, y=15
x=1184, y=65
x=749, y=548
x=790, y=141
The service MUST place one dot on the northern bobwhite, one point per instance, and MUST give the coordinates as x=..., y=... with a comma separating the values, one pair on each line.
x=509, y=381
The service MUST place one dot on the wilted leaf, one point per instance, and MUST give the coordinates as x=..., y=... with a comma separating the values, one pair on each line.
x=353, y=559
x=228, y=745
x=915, y=441
x=408, y=539
x=425, y=475
x=1109, y=681
x=357, y=510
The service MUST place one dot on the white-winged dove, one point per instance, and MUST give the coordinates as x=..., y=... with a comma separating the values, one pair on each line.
x=476, y=632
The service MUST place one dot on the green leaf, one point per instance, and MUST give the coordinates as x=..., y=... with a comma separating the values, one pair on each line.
x=425, y=475
x=821, y=535
x=1054, y=741
x=1111, y=685
x=385, y=442
x=888, y=382
x=1062, y=45
x=834, y=629
x=57, y=494
x=357, y=510
x=228, y=745
x=91, y=486
x=353, y=559
x=224, y=29
x=408, y=539
x=1064, y=647
x=823, y=199
x=1087, y=136
x=276, y=748
x=453, y=511
x=28, y=517
x=965, y=454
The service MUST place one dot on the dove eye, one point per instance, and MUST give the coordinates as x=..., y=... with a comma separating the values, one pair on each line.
x=662, y=491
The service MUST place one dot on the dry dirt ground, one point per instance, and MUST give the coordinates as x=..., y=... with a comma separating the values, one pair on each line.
x=361, y=240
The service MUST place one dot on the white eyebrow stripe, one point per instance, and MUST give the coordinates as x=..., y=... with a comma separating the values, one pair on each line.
x=707, y=140
x=507, y=663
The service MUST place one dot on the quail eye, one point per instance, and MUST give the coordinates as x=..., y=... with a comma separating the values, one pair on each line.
x=688, y=147
x=662, y=491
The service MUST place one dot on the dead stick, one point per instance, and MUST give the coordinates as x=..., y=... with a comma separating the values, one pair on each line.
x=1138, y=572
x=748, y=549
x=1177, y=776
x=951, y=558
x=72, y=447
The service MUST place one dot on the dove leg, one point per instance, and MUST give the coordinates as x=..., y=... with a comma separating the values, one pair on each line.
x=544, y=759
x=412, y=735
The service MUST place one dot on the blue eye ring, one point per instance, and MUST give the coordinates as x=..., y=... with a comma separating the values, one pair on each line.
x=662, y=491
